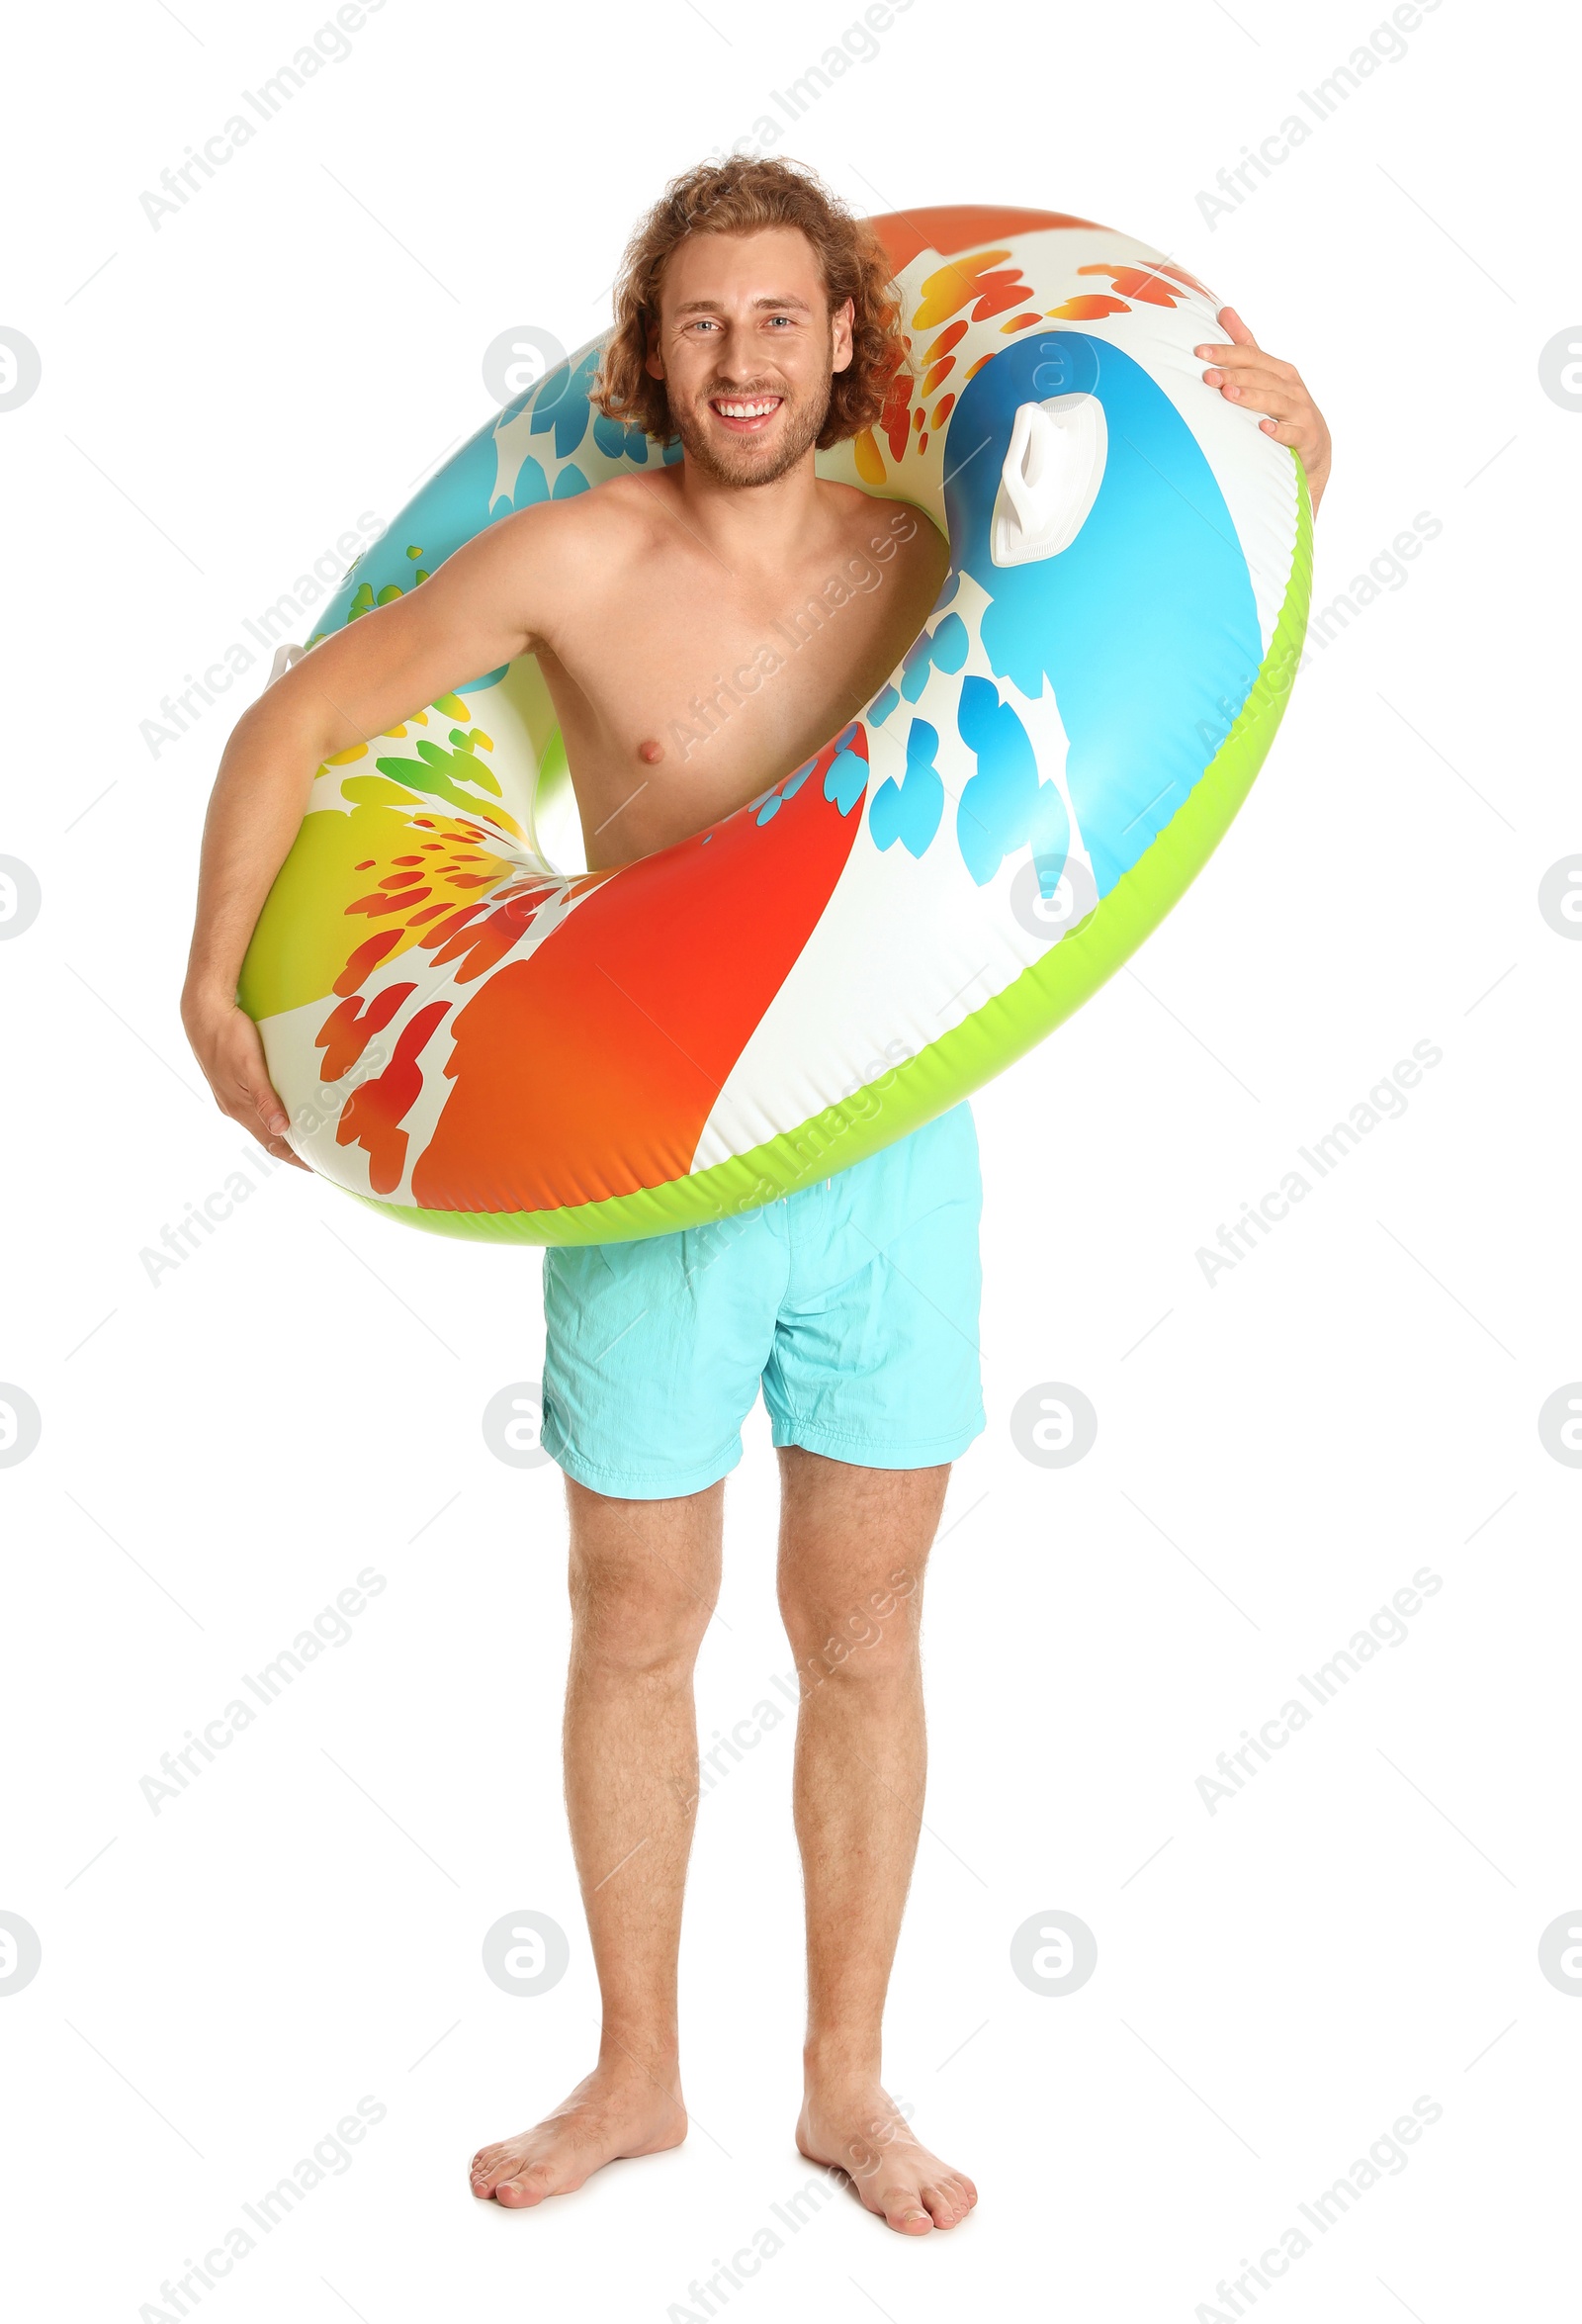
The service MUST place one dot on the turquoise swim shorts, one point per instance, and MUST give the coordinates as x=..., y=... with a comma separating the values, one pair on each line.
x=853, y=1301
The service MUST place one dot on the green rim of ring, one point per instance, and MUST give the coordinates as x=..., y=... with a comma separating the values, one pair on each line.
x=973, y=1053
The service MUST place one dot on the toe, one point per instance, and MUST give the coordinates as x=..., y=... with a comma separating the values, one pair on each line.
x=904, y=2211
x=949, y=2198
x=490, y=2167
x=529, y=2183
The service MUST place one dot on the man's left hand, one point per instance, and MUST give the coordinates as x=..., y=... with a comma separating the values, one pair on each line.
x=1262, y=383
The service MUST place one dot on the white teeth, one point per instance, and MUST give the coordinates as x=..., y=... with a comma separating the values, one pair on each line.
x=747, y=411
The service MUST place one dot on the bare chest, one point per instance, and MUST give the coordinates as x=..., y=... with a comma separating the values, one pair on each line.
x=734, y=686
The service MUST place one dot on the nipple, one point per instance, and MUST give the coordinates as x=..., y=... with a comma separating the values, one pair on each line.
x=650, y=752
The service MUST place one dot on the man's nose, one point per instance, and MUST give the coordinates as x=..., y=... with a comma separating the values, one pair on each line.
x=738, y=357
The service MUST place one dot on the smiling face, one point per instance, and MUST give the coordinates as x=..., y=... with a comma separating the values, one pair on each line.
x=747, y=348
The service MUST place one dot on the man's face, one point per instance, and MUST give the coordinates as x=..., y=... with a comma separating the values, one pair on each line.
x=746, y=349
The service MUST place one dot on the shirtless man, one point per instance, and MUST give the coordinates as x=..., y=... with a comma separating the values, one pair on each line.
x=755, y=323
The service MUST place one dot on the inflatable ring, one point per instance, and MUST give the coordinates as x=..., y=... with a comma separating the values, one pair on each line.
x=485, y=1043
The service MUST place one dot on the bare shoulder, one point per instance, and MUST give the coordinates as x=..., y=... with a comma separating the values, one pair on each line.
x=518, y=582
x=610, y=520
x=857, y=513
x=888, y=529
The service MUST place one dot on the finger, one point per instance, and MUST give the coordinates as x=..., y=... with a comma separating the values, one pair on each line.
x=261, y=1096
x=1236, y=328
x=1284, y=397
x=247, y=1116
x=249, y=1069
x=1273, y=401
x=1238, y=364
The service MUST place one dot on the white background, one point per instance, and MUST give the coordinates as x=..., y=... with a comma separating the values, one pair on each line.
x=221, y=1454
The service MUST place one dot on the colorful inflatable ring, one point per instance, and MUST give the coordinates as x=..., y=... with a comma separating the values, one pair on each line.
x=482, y=1043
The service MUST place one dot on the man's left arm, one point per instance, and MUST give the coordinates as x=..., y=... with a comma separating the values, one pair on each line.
x=1263, y=383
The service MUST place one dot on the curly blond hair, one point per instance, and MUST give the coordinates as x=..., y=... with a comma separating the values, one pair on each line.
x=740, y=196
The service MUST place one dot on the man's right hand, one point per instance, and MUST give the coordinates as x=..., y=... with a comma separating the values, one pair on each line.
x=226, y=1042
x=471, y=614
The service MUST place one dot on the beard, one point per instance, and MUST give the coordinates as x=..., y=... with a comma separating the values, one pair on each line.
x=745, y=460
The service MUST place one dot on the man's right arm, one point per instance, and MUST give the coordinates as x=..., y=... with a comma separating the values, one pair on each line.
x=483, y=606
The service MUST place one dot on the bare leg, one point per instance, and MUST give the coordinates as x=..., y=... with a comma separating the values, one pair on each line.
x=643, y=1578
x=854, y=1543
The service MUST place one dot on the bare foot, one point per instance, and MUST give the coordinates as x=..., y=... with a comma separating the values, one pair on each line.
x=616, y=2110
x=856, y=2126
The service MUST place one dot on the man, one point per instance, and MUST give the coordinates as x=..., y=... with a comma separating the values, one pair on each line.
x=755, y=322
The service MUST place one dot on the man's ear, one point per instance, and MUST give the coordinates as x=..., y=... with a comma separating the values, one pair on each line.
x=652, y=361
x=841, y=323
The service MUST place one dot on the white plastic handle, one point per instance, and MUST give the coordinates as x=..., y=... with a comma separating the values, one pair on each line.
x=1050, y=480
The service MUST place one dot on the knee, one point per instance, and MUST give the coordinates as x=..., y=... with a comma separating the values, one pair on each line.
x=636, y=1626
x=857, y=1648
